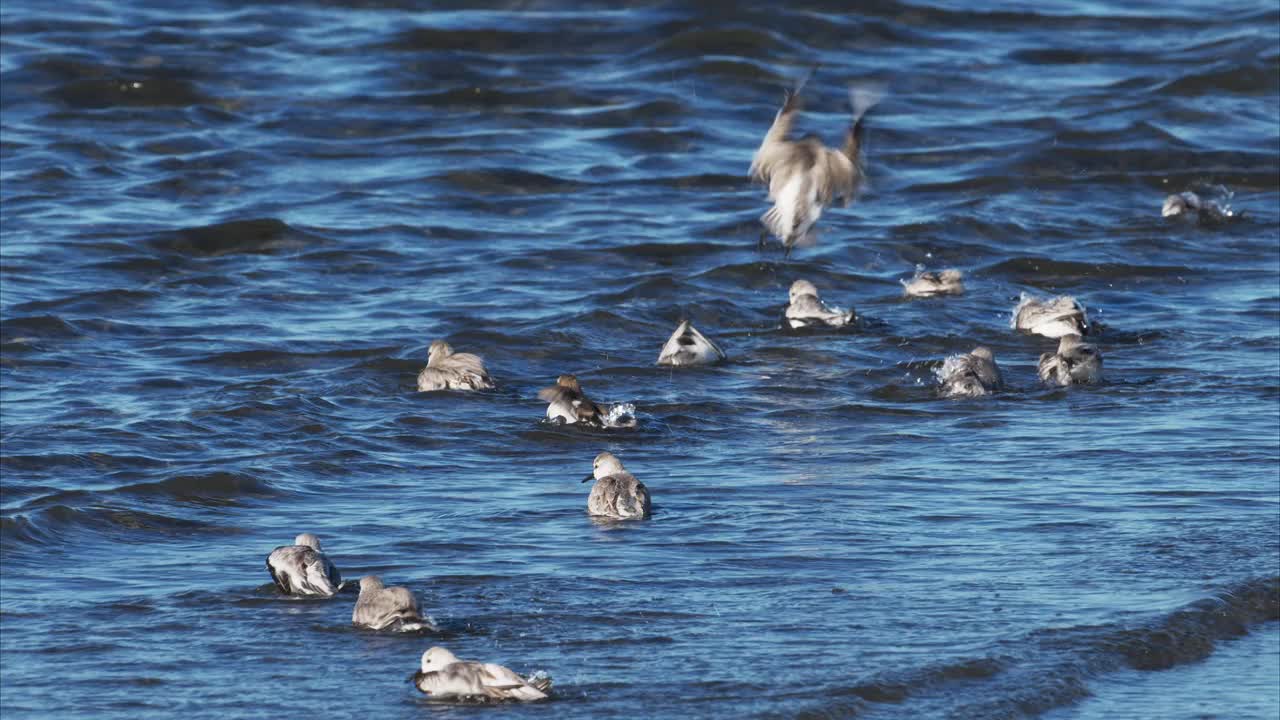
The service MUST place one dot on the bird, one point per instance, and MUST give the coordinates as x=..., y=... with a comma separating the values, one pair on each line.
x=387, y=608
x=806, y=310
x=804, y=176
x=972, y=374
x=1051, y=317
x=568, y=404
x=1191, y=204
x=302, y=568
x=927, y=284
x=444, y=676
x=687, y=346
x=1075, y=363
x=447, y=370
x=617, y=493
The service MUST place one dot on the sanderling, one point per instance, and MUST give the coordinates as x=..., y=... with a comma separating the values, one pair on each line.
x=806, y=310
x=804, y=176
x=970, y=374
x=447, y=370
x=1192, y=205
x=444, y=676
x=617, y=493
x=1076, y=362
x=1051, y=317
x=687, y=346
x=303, y=569
x=927, y=284
x=387, y=608
x=568, y=403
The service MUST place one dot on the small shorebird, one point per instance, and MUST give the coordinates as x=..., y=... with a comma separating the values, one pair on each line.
x=969, y=375
x=927, y=284
x=804, y=176
x=1075, y=363
x=687, y=346
x=617, y=493
x=447, y=370
x=386, y=608
x=303, y=569
x=806, y=309
x=569, y=404
x=1051, y=317
x=1191, y=204
x=444, y=676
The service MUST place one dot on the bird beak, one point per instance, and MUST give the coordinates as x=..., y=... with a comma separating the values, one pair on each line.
x=590, y=476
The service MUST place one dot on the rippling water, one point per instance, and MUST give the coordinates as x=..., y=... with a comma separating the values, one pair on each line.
x=230, y=232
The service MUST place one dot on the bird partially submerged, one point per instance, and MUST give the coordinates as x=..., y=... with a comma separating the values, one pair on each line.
x=387, y=608
x=617, y=494
x=804, y=176
x=805, y=309
x=1076, y=362
x=1189, y=204
x=1051, y=317
x=567, y=403
x=927, y=284
x=443, y=676
x=687, y=346
x=972, y=374
x=303, y=569
x=449, y=370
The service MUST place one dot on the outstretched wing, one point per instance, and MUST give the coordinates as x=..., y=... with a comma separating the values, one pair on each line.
x=775, y=149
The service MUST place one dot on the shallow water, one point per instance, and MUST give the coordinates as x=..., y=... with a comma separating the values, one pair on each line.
x=231, y=231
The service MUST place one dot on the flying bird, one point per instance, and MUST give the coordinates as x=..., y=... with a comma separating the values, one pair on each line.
x=804, y=176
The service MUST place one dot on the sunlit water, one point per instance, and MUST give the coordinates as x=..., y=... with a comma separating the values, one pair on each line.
x=231, y=231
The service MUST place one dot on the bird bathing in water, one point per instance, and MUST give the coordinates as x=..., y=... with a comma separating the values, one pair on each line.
x=443, y=676
x=972, y=374
x=568, y=404
x=448, y=370
x=687, y=346
x=617, y=493
x=1075, y=363
x=1050, y=317
x=1190, y=205
x=303, y=569
x=804, y=176
x=807, y=310
x=387, y=608
x=928, y=284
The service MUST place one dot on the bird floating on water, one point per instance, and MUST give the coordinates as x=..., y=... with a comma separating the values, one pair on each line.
x=1050, y=317
x=804, y=176
x=387, y=608
x=444, y=676
x=567, y=403
x=972, y=374
x=303, y=569
x=1075, y=363
x=928, y=284
x=1189, y=204
x=807, y=310
x=617, y=493
x=687, y=346
x=448, y=370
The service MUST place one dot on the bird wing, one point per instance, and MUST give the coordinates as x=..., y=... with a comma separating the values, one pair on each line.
x=776, y=149
x=835, y=177
x=281, y=578
x=321, y=576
